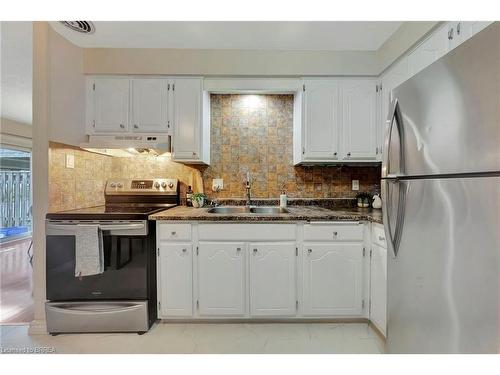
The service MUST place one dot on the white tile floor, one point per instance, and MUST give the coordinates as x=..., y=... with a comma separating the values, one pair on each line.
x=210, y=338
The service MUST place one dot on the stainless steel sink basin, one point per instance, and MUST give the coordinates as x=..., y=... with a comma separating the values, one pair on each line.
x=268, y=210
x=229, y=210
x=247, y=210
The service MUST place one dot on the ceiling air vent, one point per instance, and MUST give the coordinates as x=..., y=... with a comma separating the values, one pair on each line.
x=84, y=27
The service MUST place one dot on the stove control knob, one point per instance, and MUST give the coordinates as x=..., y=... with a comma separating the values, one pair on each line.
x=120, y=185
x=163, y=184
x=157, y=185
x=170, y=184
x=112, y=185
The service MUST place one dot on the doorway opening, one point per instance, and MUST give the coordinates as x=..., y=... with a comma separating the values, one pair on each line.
x=16, y=247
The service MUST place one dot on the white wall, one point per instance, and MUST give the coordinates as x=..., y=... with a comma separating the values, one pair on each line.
x=40, y=165
x=16, y=75
x=67, y=91
x=227, y=62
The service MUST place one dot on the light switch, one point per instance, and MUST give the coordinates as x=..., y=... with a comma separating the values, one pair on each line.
x=355, y=184
x=70, y=161
x=217, y=184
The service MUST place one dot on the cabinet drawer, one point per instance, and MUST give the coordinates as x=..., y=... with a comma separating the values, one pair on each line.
x=246, y=232
x=175, y=232
x=378, y=236
x=333, y=232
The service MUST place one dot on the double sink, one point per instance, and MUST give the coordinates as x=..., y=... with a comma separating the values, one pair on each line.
x=248, y=210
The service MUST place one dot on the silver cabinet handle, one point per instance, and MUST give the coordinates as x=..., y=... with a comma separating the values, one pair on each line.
x=122, y=126
x=348, y=154
x=168, y=124
x=136, y=126
x=238, y=249
x=309, y=251
x=194, y=153
x=380, y=238
x=334, y=154
x=174, y=233
x=458, y=28
x=450, y=34
x=335, y=234
x=255, y=251
x=184, y=250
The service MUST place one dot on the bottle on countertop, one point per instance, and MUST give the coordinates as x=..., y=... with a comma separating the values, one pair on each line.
x=189, y=196
x=283, y=198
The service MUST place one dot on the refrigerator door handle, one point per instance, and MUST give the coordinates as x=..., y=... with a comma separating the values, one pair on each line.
x=394, y=117
x=394, y=236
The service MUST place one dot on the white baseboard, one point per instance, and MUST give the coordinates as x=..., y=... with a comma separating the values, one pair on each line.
x=38, y=327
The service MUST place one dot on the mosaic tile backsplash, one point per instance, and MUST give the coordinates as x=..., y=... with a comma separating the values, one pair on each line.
x=254, y=133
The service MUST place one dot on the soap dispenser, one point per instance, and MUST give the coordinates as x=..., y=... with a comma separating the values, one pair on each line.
x=283, y=198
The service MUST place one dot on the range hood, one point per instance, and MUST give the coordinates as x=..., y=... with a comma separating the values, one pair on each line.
x=128, y=145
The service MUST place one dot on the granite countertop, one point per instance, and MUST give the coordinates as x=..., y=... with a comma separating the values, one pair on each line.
x=297, y=213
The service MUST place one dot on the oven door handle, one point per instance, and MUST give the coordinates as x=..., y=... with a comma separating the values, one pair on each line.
x=72, y=227
x=115, y=229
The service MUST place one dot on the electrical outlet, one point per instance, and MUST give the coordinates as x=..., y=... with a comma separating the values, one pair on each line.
x=70, y=161
x=355, y=185
x=217, y=184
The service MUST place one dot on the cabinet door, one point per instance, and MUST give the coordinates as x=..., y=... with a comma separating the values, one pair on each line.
x=429, y=51
x=150, y=105
x=221, y=279
x=378, y=287
x=111, y=105
x=175, y=280
x=359, y=113
x=321, y=120
x=460, y=31
x=332, y=279
x=187, y=119
x=272, y=279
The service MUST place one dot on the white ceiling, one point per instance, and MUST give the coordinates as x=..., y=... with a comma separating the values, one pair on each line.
x=16, y=70
x=328, y=36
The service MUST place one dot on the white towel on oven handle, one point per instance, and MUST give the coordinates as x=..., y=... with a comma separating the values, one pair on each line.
x=89, y=251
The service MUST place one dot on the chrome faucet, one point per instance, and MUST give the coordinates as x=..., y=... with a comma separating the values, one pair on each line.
x=247, y=187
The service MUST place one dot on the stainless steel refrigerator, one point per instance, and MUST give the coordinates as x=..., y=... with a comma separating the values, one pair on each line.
x=441, y=195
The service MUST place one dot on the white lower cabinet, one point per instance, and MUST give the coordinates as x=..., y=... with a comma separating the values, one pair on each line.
x=221, y=279
x=176, y=280
x=332, y=279
x=272, y=279
x=301, y=271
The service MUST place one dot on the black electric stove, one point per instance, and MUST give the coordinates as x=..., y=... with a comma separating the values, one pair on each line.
x=123, y=297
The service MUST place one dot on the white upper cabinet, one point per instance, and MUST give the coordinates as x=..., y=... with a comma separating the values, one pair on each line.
x=321, y=121
x=429, y=51
x=359, y=120
x=272, y=279
x=459, y=31
x=221, y=279
x=188, y=138
x=158, y=106
x=150, y=105
x=332, y=279
x=176, y=280
x=109, y=98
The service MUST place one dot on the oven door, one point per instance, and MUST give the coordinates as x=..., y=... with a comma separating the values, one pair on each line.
x=127, y=249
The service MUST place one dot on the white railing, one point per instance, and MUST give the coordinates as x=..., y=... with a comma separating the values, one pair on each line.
x=15, y=207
